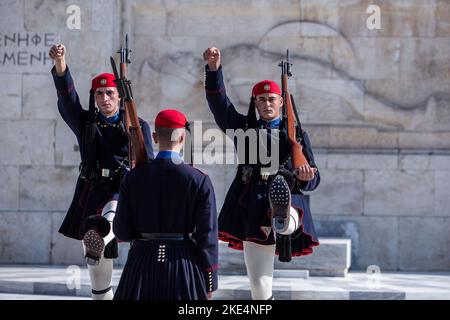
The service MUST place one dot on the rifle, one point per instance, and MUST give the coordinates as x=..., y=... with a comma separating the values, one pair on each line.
x=294, y=131
x=291, y=117
x=137, y=152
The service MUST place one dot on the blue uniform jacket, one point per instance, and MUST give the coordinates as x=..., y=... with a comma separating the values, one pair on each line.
x=164, y=197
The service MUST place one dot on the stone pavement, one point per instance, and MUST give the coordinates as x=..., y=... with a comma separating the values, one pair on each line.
x=59, y=282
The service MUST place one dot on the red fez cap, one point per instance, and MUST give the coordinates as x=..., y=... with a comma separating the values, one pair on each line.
x=266, y=86
x=103, y=80
x=170, y=118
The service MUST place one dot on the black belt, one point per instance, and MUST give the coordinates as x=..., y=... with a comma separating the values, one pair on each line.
x=165, y=236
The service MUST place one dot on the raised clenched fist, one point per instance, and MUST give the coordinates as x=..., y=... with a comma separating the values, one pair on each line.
x=212, y=58
x=57, y=52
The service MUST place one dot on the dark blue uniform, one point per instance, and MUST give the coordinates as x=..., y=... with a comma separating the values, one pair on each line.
x=167, y=198
x=245, y=215
x=111, y=145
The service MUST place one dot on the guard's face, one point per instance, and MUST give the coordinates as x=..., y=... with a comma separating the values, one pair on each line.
x=107, y=99
x=269, y=106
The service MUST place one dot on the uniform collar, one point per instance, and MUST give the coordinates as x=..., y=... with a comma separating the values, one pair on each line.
x=168, y=154
x=114, y=119
x=275, y=123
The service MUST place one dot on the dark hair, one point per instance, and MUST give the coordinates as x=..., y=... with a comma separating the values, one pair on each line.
x=165, y=134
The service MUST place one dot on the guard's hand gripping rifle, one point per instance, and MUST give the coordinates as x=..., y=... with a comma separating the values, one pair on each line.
x=137, y=152
x=291, y=117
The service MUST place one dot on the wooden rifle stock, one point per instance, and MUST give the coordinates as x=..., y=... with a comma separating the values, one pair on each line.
x=298, y=158
x=137, y=152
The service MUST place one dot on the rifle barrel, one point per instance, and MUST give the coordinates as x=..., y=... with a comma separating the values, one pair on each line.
x=114, y=67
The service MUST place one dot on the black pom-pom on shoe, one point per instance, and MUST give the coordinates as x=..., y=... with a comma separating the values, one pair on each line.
x=98, y=222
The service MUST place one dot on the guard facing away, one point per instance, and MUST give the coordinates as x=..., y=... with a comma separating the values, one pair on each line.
x=167, y=210
x=262, y=210
x=103, y=147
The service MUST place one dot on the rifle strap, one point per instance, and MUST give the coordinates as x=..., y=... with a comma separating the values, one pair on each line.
x=89, y=150
x=299, y=133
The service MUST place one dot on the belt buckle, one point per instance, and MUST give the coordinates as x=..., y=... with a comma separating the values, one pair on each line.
x=105, y=173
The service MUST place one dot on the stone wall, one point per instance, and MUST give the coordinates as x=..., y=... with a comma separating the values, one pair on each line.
x=375, y=103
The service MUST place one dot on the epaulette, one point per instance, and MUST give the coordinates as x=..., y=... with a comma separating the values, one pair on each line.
x=203, y=173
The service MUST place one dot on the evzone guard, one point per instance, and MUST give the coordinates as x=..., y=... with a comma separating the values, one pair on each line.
x=104, y=149
x=265, y=213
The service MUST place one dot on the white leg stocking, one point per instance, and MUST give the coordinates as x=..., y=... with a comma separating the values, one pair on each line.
x=108, y=212
x=259, y=261
x=101, y=276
